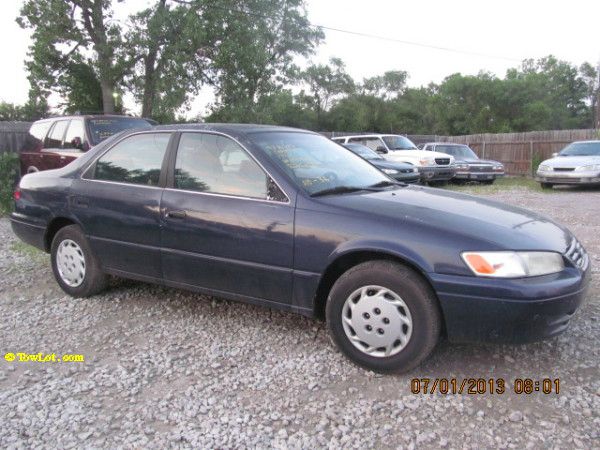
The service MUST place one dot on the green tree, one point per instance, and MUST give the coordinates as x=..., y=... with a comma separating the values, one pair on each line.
x=252, y=51
x=325, y=83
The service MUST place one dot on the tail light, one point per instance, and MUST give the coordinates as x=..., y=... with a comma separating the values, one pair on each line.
x=17, y=195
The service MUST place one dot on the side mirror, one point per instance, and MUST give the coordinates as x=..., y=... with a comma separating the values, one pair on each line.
x=554, y=155
x=381, y=150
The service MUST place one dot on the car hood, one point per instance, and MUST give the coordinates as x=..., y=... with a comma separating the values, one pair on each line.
x=382, y=163
x=488, y=225
x=418, y=154
x=482, y=162
x=572, y=161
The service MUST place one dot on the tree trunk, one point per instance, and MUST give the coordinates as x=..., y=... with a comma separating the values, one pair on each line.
x=149, y=85
x=108, y=101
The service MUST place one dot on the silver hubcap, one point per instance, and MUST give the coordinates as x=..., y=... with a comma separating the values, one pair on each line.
x=70, y=263
x=377, y=321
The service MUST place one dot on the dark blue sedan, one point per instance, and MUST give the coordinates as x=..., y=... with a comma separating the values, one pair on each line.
x=407, y=173
x=288, y=219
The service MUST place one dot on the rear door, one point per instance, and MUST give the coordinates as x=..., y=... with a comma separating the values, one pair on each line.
x=227, y=227
x=51, y=153
x=118, y=203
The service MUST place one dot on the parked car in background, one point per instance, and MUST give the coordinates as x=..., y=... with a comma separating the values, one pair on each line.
x=399, y=171
x=434, y=168
x=577, y=163
x=468, y=165
x=55, y=142
x=286, y=218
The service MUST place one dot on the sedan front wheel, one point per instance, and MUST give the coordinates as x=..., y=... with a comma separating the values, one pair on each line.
x=383, y=316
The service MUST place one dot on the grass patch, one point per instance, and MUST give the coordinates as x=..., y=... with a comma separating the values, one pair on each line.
x=501, y=184
x=27, y=250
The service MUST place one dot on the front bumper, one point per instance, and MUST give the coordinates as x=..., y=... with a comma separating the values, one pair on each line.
x=479, y=309
x=413, y=177
x=568, y=177
x=478, y=176
x=436, y=173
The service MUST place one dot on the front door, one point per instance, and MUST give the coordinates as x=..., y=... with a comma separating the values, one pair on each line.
x=228, y=227
x=118, y=203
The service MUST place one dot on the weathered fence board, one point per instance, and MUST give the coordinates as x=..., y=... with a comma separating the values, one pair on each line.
x=12, y=135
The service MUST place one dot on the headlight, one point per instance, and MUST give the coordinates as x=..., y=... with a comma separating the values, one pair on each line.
x=543, y=168
x=426, y=162
x=390, y=171
x=586, y=168
x=498, y=168
x=462, y=167
x=513, y=264
x=415, y=170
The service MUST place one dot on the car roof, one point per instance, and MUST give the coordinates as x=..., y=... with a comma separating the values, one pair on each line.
x=443, y=143
x=229, y=128
x=89, y=116
x=592, y=141
x=367, y=135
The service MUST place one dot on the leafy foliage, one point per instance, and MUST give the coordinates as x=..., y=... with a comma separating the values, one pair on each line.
x=9, y=171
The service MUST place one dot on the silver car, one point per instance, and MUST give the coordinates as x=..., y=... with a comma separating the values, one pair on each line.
x=577, y=163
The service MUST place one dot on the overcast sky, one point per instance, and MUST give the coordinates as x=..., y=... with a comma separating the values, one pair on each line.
x=493, y=35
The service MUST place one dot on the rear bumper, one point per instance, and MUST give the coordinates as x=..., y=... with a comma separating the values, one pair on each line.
x=510, y=311
x=29, y=232
x=436, y=173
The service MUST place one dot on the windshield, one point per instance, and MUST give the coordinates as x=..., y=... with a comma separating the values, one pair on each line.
x=399, y=143
x=458, y=151
x=316, y=163
x=581, y=149
x=104, y=127
x=363, y=151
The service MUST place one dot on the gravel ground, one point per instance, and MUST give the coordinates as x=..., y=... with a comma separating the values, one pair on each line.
x=167, y=368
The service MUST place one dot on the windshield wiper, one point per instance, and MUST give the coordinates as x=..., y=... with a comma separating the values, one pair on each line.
x=386, y=183
x=341, y=190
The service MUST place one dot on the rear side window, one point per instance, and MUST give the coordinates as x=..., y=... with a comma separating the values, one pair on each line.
x=54, y=139
x=137, y=160
x=35, y=138
x=217, y=164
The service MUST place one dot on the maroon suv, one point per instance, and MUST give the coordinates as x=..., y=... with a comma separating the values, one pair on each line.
x=53, y=143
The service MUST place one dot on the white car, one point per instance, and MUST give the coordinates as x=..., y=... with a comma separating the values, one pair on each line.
x=434, y=167
x=577, y=163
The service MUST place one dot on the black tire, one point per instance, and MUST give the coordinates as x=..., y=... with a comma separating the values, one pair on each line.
x=546, y=185
x=416, y=294
x=94, y=280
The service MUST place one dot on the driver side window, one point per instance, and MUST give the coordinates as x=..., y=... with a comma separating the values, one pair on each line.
x=217, y=164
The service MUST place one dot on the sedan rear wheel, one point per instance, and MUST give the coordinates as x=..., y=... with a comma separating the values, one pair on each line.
x=384, y=316
x=76, y=268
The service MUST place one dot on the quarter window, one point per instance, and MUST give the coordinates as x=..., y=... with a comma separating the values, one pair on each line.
x=54, y=139
x=137, y=159
x=216, y=164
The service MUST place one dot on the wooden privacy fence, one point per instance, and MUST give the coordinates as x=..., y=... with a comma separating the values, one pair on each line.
x=12, y=135
x=520, y=153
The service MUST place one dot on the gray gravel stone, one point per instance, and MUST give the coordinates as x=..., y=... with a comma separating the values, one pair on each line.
x=167, y=368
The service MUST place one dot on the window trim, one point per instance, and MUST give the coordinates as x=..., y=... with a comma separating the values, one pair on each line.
x=89, y=171
x=52, y=127
x=170, y=186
